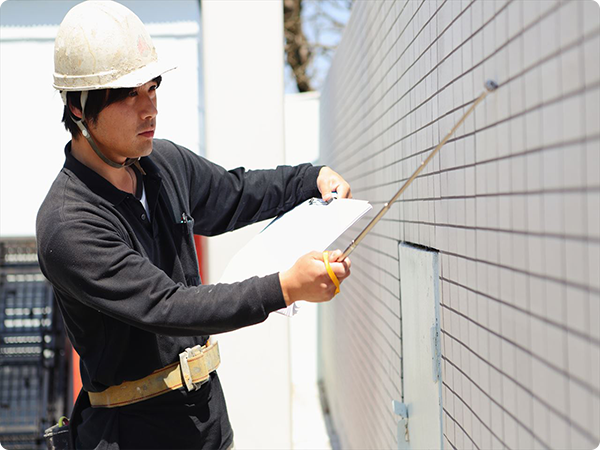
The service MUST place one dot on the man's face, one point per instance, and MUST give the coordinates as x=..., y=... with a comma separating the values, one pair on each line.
x=125, y=129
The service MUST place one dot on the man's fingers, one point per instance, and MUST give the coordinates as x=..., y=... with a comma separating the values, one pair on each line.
x=343, y=191
x=329, y=181
x=341, y=270
x=335, y=255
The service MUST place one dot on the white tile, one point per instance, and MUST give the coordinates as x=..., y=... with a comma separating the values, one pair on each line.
x=592, y=159
x=546, y=6
x=540, y=419
x=555, y=301
x=497, y=427
x=574, y=166
x=520, y=289
x=469, y=179
x=525, y=438
x=481, y=213
x=492, y=256
x=579, y=440
x=483, y=320
x=502, y=95
x=524, y=375
x=532, y=164
x=508, y=366
x=504, y=180
x=517, y=106
x=591, y=50
x=531, y=12
x=515, y=18
x=489, y=32
x=533, y=129
x=557, y=346
x=554, y=257
x=549, y=36
x=591, y=16
x=596, y=416
x=539, y=348
x=551, y=124
x=575, y=261
x=519, y=211
x=571, y=65
x=580, y=414
x=505, y=207
x=501, y=22
x=505, y=249
x=559, y=432
x=595, y=367
x=570, y=28
x=469, y=149
x=578, y=312
x=495, y=349
x=535, y=219
x=572, y=119
x=536, y=255
x=594, y=327
x=592, y=114
x=579, y=355
x=515, y=59
x=447, y=442
x=492, y=178
x=554, y=214
x=532, y=86
x=481, y=182
x=539, y=444
x=507, y=285
x=594, y=265
x=510, y=438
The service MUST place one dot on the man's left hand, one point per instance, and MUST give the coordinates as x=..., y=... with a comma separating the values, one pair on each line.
x=330, y=181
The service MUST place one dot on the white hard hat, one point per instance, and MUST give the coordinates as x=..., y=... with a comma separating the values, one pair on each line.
x=102, y=44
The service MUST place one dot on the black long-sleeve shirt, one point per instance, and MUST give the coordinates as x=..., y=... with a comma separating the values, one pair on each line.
x=128, y=285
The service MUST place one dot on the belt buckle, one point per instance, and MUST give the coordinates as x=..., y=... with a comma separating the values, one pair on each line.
x=186, y=373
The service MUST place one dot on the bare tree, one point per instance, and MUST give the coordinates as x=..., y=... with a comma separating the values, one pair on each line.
x=312, y=31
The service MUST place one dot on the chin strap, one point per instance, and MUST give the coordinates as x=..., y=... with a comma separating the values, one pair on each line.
x=81, y=124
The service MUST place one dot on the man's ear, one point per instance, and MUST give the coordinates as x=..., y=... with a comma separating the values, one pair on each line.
x=75, y=111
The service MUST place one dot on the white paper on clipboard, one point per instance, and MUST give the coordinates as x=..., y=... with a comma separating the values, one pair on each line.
x=310, y=226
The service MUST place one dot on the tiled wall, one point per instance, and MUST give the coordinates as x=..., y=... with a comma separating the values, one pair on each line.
x=511, y=203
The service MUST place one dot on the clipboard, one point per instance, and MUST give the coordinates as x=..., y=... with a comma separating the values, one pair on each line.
x=312, y=225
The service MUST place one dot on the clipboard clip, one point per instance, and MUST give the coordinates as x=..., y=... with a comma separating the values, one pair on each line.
x=320, y=201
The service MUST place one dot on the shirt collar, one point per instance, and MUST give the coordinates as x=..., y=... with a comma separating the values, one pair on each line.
x=100, y=185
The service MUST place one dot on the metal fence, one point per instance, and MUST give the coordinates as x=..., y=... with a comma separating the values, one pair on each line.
x=34, y=360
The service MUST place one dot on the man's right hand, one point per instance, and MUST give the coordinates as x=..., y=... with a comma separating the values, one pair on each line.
x=308, y=278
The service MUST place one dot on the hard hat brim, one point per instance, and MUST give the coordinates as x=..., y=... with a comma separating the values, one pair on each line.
x=111, y=80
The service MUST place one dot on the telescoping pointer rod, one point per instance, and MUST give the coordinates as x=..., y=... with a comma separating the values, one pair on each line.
x=490, y=86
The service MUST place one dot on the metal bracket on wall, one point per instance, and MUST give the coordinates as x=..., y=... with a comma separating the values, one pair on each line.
x=401, y=409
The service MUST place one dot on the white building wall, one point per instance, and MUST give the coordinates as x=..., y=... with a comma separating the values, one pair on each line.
x=244, y=127
x=512, y=204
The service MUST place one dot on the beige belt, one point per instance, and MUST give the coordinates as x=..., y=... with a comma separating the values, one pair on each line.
x=193, y=369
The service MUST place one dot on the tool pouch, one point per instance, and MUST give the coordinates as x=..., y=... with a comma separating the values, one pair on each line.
x=58, y=437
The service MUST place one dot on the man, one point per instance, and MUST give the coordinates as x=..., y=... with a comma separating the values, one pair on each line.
x=115, y=239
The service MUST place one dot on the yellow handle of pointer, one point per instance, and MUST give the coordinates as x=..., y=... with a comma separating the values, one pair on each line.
x=331, y=274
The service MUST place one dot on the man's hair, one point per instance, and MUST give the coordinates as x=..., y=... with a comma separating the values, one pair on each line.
x=97, y=100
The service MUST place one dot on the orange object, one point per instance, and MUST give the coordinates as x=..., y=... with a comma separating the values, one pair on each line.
x=331, y=274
